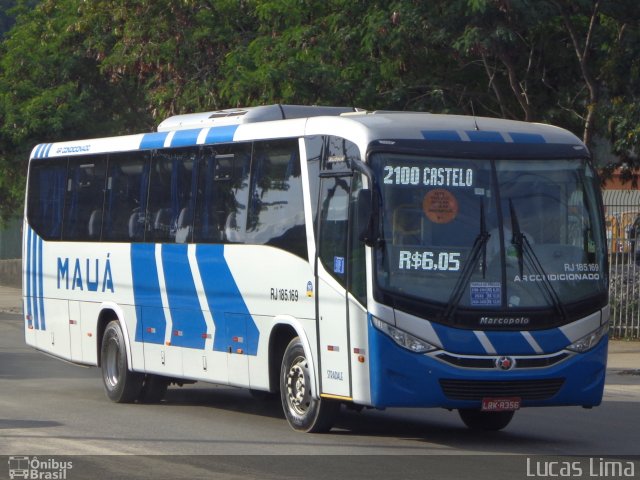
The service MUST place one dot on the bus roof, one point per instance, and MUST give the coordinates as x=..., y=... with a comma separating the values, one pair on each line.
x=279, y=121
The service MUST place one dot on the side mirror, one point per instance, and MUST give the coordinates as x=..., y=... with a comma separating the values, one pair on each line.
x=363, y=221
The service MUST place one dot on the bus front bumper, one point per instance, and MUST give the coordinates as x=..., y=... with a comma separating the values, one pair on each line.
x=400, y=378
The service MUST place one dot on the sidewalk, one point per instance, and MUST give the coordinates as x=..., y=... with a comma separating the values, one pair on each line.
x=623, y=355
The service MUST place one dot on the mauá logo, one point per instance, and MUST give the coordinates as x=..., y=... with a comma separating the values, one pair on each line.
x=88, y=274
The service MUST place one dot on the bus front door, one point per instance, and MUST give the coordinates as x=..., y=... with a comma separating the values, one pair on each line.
x=331, y=279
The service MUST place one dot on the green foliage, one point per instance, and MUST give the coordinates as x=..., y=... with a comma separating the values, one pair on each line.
x=75, y=68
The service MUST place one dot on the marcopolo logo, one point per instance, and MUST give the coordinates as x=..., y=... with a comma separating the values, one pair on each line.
x=37, y=469
x=504, y=321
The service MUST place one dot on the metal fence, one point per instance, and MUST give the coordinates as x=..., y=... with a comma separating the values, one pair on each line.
x=622, y=212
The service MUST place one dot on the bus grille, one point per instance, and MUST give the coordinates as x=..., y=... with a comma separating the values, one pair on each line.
x=479, y=389
x=490, y=362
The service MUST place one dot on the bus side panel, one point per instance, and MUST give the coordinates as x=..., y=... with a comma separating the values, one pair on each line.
x=360, y=354
x=273, y=283
x=75, y=331
x=55, y=339
x=47, y=317
x=66, y=286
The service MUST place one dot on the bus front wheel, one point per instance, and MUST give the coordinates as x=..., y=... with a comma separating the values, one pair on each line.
x=488, y=421
x=120, y=384
x=304, y=412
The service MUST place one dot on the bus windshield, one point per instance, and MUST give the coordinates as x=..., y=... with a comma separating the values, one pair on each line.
x=507, y=236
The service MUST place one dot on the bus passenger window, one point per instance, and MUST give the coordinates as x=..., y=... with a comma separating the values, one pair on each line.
x=84, y=198
x=126, y=197
x=47, y=186
x=170, y=195
x=275, y=216
x=223, y=187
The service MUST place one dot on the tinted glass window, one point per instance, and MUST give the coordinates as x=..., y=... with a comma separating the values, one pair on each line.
x=335, y=197
x=126, y=197
x=84, y=198
x=47, y=186
x=223, y=188
x=276, y=213
x=315, y=148
x=169, y=217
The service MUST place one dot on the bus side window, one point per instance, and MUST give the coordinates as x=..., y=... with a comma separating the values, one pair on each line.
x=47, y=187
x=223, y=188
x=334, y=217
x=275, y=216
x=334, y=251
x=84, y=199
x=126, y=197
x=314, y=148
x=170, y=195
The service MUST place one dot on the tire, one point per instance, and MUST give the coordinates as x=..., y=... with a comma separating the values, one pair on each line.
x=153, y=388
x=120, y=384
x=487, y=421
x=303, y=412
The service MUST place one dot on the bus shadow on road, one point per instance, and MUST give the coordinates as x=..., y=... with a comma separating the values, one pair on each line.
x=423, y=425
x=227, y=398
x=445, y=428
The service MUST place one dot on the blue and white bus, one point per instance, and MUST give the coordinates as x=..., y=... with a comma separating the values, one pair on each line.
x=336, y=256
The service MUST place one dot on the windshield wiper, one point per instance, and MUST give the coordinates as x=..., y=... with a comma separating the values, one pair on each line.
x=479, y=246
x=524, y=249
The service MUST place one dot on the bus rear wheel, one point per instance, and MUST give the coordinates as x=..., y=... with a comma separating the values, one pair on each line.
x=304, y=412
x=487, y=421
x=120, y=384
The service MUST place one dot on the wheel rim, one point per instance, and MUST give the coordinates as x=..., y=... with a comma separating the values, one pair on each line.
x=297, y=381
x=112, y=370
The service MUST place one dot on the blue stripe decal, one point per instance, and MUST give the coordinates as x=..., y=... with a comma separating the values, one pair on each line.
x=43, y=325
x=188, y=321
x=221, y=134
x=510, y=343
x=230, y=313
x=484, y=136
x=457, y=340
x=34, y=280
x=527, y=137
x=42, y=151
x=153, y=140
x=551, y=340
x=146, y=293
x=442, y=135
x=28, y=279
x=185, y=138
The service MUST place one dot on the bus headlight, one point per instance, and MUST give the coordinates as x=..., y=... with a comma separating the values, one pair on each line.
x=404, y=339
x=589, y=341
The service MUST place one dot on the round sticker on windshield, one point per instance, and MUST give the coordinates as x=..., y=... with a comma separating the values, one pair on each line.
x=440, y=206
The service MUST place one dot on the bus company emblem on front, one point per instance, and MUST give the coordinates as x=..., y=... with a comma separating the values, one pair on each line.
x=505, y=363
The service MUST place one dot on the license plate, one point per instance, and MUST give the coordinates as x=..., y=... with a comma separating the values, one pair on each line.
x=500, y=404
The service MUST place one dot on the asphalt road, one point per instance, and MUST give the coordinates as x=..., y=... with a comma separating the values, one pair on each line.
x=52, y=409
